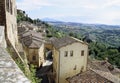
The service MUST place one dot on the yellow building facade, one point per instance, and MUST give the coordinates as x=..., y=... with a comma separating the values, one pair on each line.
x=69, y=58
x=35, y=55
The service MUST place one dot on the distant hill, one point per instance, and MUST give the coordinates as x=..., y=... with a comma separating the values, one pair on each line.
x=83, y=24
x=50, y=20
x=107, y=34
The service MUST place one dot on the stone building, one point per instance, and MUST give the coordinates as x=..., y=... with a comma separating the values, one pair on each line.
x=33, y=45
x=69, y=58
x=8, y=19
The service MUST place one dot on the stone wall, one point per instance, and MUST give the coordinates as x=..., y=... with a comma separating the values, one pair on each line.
x=2, y=37
x=11, y=24
x=9, y=71
x=2, y=12
x=8, y=19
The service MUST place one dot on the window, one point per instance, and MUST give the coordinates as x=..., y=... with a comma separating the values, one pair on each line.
x=82, y=53
x=7, y=5
x=82, y=69
x=11, y=8
x=66, y=53
x=34, y=58
x=12, y=28
x=15, y=11
x=71, y=53
x=75, y=67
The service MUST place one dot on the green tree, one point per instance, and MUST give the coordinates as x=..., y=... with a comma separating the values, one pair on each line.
x=33, y=75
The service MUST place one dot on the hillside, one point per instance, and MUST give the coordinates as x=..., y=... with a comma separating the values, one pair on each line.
x=103, y=39
x=107, y=34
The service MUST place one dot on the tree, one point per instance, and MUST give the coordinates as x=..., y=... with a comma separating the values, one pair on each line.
x=34, y=79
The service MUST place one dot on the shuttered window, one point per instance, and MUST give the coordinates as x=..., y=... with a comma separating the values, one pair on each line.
x=66, y=53
x=82, y=53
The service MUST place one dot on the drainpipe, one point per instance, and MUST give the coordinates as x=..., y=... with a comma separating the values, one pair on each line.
x=59, y=67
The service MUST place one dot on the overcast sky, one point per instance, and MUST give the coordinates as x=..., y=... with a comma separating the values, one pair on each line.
x=85, y=11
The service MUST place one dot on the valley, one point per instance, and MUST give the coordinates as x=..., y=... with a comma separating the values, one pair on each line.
x=107, y=34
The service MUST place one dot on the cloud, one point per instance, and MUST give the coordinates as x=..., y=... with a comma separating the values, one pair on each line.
x=110, y=17
x=87, y=4
x=74, y=4
x=98, y=11
x=31, y=5
x=111, y=3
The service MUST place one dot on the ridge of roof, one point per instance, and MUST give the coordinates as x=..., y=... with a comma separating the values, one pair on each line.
x=58, y=43
x=32, y=39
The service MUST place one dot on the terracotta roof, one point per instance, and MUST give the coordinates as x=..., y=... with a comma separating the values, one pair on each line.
x=33, y=33
x=108, y=76
x=51, y=40
x=104, y=66
x=58, y=43
x=98, y=72
x=32, y=39
x=88, y=77
x=21, y=30
x=27, y=26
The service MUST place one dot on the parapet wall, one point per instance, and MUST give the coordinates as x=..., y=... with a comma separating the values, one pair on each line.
x=2, y=37
x=9, y=71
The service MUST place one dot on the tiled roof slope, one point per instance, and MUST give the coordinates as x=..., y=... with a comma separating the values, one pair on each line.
x=58, y=43
x=98, y=72
x=32, y=39
x=88, y=77
x=104, y=66
x=9, y=71
x=108, y=76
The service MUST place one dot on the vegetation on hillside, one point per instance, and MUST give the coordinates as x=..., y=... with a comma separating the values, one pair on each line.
x=101, y=52
x=103, y=41
x=23, y=17
x=51, y=32
x=109, y=35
